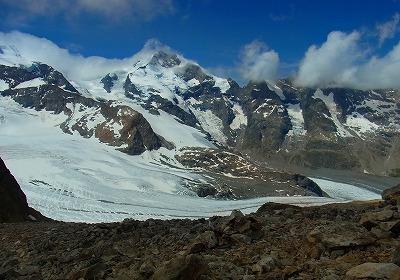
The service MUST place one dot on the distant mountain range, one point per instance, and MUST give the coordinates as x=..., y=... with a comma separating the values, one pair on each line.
x=182, y=105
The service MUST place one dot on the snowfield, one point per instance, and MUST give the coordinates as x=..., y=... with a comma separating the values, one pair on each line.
x=70, y=178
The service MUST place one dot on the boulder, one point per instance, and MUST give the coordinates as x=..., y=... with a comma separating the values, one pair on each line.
x=371, y=219
x=266, y=264
x=239, y=223
x=392, y=194
x=340, y=236
x=206, y=240
x=182, y=268
x=387, y=271
x=391, y=226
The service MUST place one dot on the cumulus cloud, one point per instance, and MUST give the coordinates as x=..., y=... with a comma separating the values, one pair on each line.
x=258, y=63
x=330, y=63
x=28, y=48
x=341, y=61
x=387, y=30
x=22, y=11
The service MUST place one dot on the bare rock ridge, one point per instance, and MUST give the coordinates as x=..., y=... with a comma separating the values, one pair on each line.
x=358, y=240
x=13, y=204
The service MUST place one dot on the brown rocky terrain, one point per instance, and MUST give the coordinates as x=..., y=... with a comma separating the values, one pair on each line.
x=339, y=241
x=235, y=176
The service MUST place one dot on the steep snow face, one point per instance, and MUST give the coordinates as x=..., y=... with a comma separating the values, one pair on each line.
x=296, y=118
x=222, y=84
x=272, y=86
x=360, y=125
x=212, y=124
x=170, y=128
x=240, y=119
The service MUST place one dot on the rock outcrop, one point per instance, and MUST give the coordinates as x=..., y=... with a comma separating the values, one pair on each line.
x=13, y=204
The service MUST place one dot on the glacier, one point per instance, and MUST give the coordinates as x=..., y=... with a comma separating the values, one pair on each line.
x=70, y=178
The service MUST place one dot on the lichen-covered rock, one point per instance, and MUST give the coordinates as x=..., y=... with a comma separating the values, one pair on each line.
x=382, y=271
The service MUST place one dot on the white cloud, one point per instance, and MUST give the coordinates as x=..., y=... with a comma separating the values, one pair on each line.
x=22, y=11
x=258, y=63
x=342, y=61
x=28, y=48
x=331, y=63
x=387, y=30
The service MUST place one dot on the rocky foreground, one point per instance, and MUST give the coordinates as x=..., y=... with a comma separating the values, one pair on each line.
x=342, y=241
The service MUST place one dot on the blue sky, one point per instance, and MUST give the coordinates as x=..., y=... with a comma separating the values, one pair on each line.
x=214, y=33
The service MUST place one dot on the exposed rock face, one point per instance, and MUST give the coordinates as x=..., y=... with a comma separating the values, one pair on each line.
x=13, y=204
x=165, y=59
x=108, y=81
x=15, y=76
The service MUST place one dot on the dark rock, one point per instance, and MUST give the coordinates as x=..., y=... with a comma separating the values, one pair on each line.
x=265, y=264
x=396, y=256
x=206, y=240
x=391, y=226
x=308, y=184
x=13, y=204
x=108, y=81
x=95, y=271
x=182, y=268
x=371, y=219
x=147, y=268
x=164, y=59
x=392, y=194
x=270, y=207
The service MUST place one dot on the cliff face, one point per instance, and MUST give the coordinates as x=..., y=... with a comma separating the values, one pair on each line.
x=13, y=204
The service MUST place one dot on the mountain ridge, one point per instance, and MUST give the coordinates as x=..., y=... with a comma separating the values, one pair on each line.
x=272, y=122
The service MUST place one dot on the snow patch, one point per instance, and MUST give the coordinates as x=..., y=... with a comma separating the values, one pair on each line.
x=360, y=124
x=193, y=82
x=277, y=90
x=3, y=85
x=222, y=84
x=37, y=82
x=296, y=118
x=211, y=123
x=240, y=118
